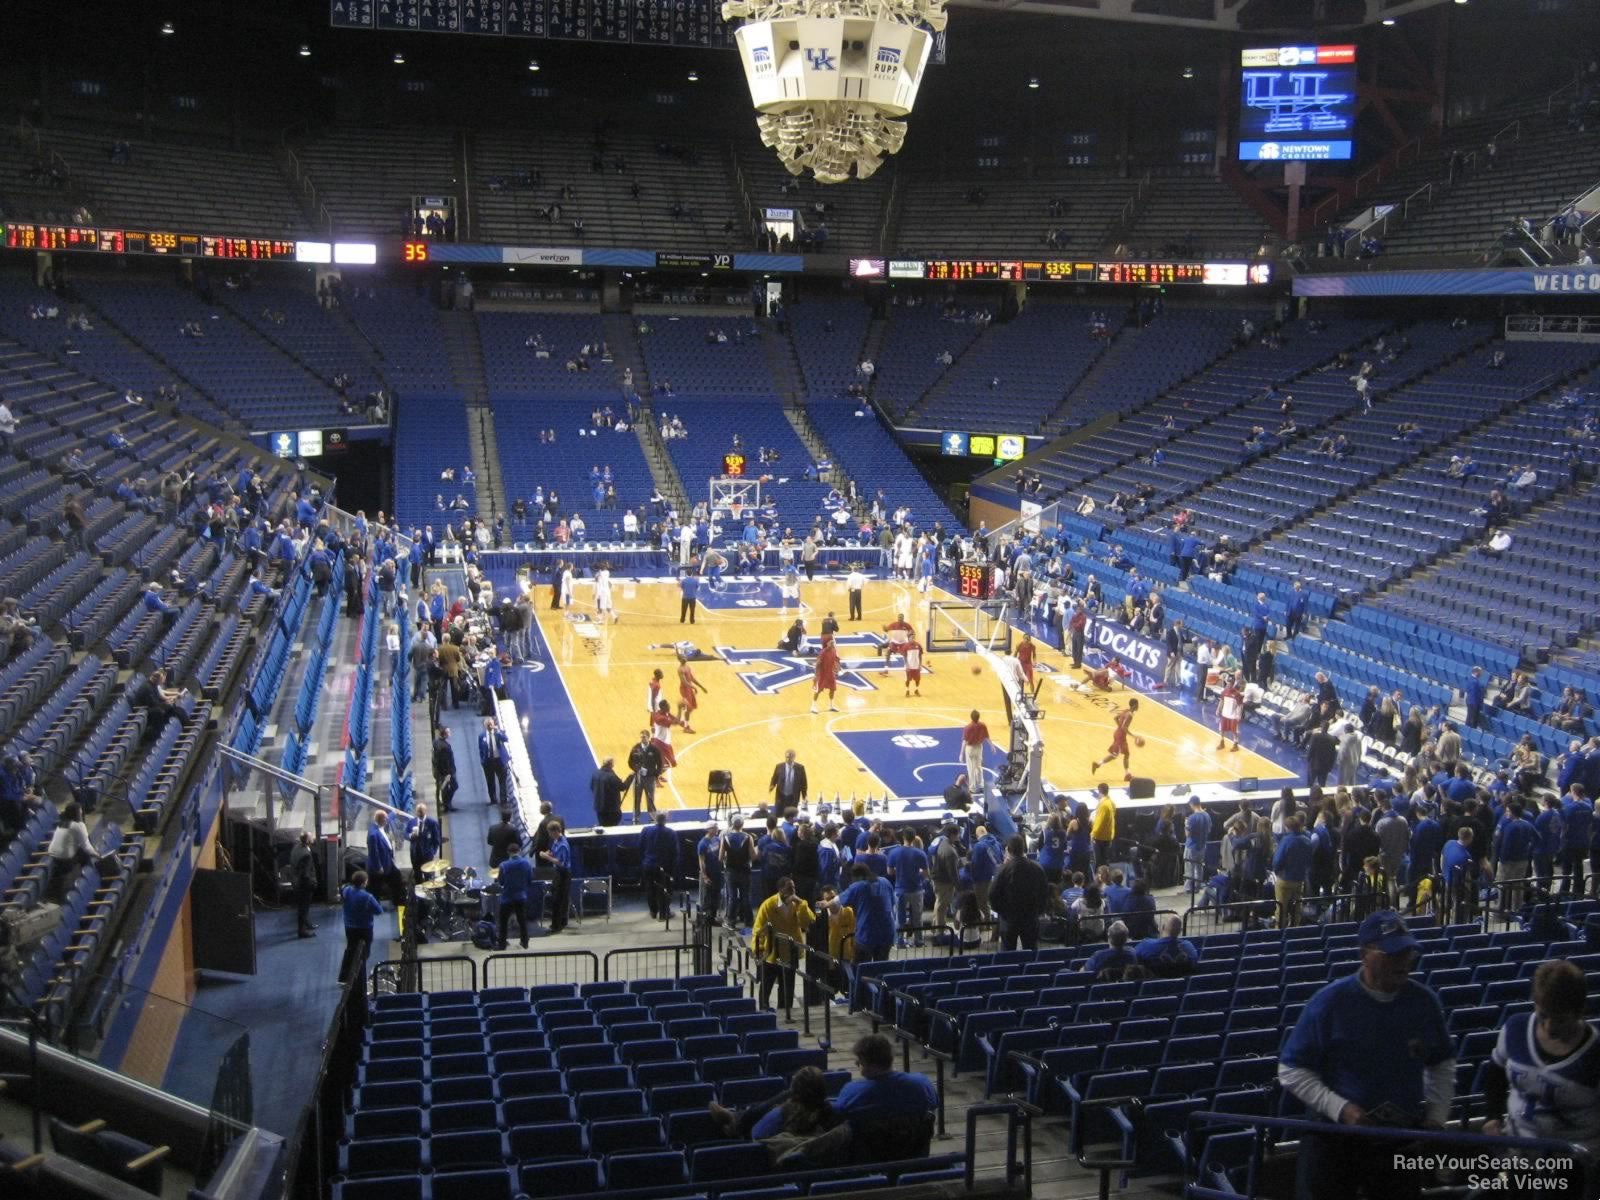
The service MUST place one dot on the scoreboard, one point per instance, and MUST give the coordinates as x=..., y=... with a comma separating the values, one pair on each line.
x=973, y=580
x=1068, y=271
x=145, y=241
x=642, y=22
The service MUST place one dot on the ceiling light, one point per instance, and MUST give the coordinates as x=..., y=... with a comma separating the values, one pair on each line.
x=399, y=59
x=1188, y=72
x=166, y=29
x=533, y=64
x=305, y=50
x=694, y=76
x=1034, y=83
x=1388, y=20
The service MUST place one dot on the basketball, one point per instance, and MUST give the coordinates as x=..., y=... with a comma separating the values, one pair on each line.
x=977, y=669
x=1139, y=742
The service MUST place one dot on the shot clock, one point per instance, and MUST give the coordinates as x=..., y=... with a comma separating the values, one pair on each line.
x=733, y=464
x=973, y=580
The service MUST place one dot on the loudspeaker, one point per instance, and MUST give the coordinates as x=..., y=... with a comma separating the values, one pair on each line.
x=1141, y=788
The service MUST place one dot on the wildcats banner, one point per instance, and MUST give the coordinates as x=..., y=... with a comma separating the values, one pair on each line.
x=1135, y=652
x=1518, y=281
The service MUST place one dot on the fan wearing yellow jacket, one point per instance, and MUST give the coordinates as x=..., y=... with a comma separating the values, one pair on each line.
x=780, y=913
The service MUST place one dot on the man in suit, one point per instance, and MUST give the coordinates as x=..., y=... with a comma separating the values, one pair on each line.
x=381, y=867
x=789, y=783
x=426, y=840
x=303, y=870
x=444, y=769
x=1019, y=895
x=606, y=788
x=494, y=755
x=502, y=836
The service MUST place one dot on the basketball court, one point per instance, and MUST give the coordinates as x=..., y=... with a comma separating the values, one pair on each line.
x=881, y=743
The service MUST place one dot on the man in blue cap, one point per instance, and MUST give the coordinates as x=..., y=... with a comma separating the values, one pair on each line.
x=1370, y=1049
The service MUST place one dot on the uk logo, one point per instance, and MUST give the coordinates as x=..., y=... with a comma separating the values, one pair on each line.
x=771, y=671
x=821, y=60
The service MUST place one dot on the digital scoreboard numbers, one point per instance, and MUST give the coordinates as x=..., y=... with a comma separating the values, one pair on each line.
x=972, y=580
x=645, y=22
x=733, y=464
x=141, y=241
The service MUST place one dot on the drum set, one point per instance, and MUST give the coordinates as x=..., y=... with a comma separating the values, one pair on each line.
x=449, y=900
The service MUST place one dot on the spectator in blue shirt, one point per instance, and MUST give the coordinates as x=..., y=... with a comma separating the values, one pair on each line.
x=1427, y=841
x=1370, y=1048
x=872, y=858
x=1196, y=834
x=1462, y=868
x=361, y=908
x=558, y=857
x=1115, y=955
x=1169, y=955
x=908, y=865
x=1474, y=693
x=658, y=857
x=516, y=881
x=1579, y=816
x=871, y=898
x=1291, y=867
x=1551, y=827
x=984, y=862
x=1514, y=843
x=708, y=853
x=153, y=601
x=689, y=586
x=1140, y=910
x=881, y=1090
x=1117, y=893
x=305, y=512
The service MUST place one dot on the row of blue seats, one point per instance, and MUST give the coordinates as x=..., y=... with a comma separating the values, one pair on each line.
x=733, y=1172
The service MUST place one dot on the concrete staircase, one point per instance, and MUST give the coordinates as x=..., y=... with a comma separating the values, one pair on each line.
x=819, y=448
x=783, y=364
x=941, y=384
x=622, y=336
x=465, y=351
x=662, y=472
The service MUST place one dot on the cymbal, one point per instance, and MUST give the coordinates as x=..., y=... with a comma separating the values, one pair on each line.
x=433, y=885
x=437, y=866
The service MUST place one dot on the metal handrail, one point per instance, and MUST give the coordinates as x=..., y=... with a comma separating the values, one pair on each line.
x=1411, y=1140
x=299, y=782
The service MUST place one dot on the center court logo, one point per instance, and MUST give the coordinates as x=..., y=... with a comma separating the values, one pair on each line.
x=774, y=670
x=914, y=741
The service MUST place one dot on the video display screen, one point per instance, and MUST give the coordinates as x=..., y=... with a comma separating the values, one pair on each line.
x=1297, y=103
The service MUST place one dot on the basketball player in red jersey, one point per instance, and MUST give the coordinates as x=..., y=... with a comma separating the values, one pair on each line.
x=657, y=682
x=1025, y=652
x=1119, y=739
x=913, y=654
x=1230, y=710
x=900, y=632
x=661, y=723
x=827, y=674
x=687, y=683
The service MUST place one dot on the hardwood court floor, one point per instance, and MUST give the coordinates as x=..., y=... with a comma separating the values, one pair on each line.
x=881, y=742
